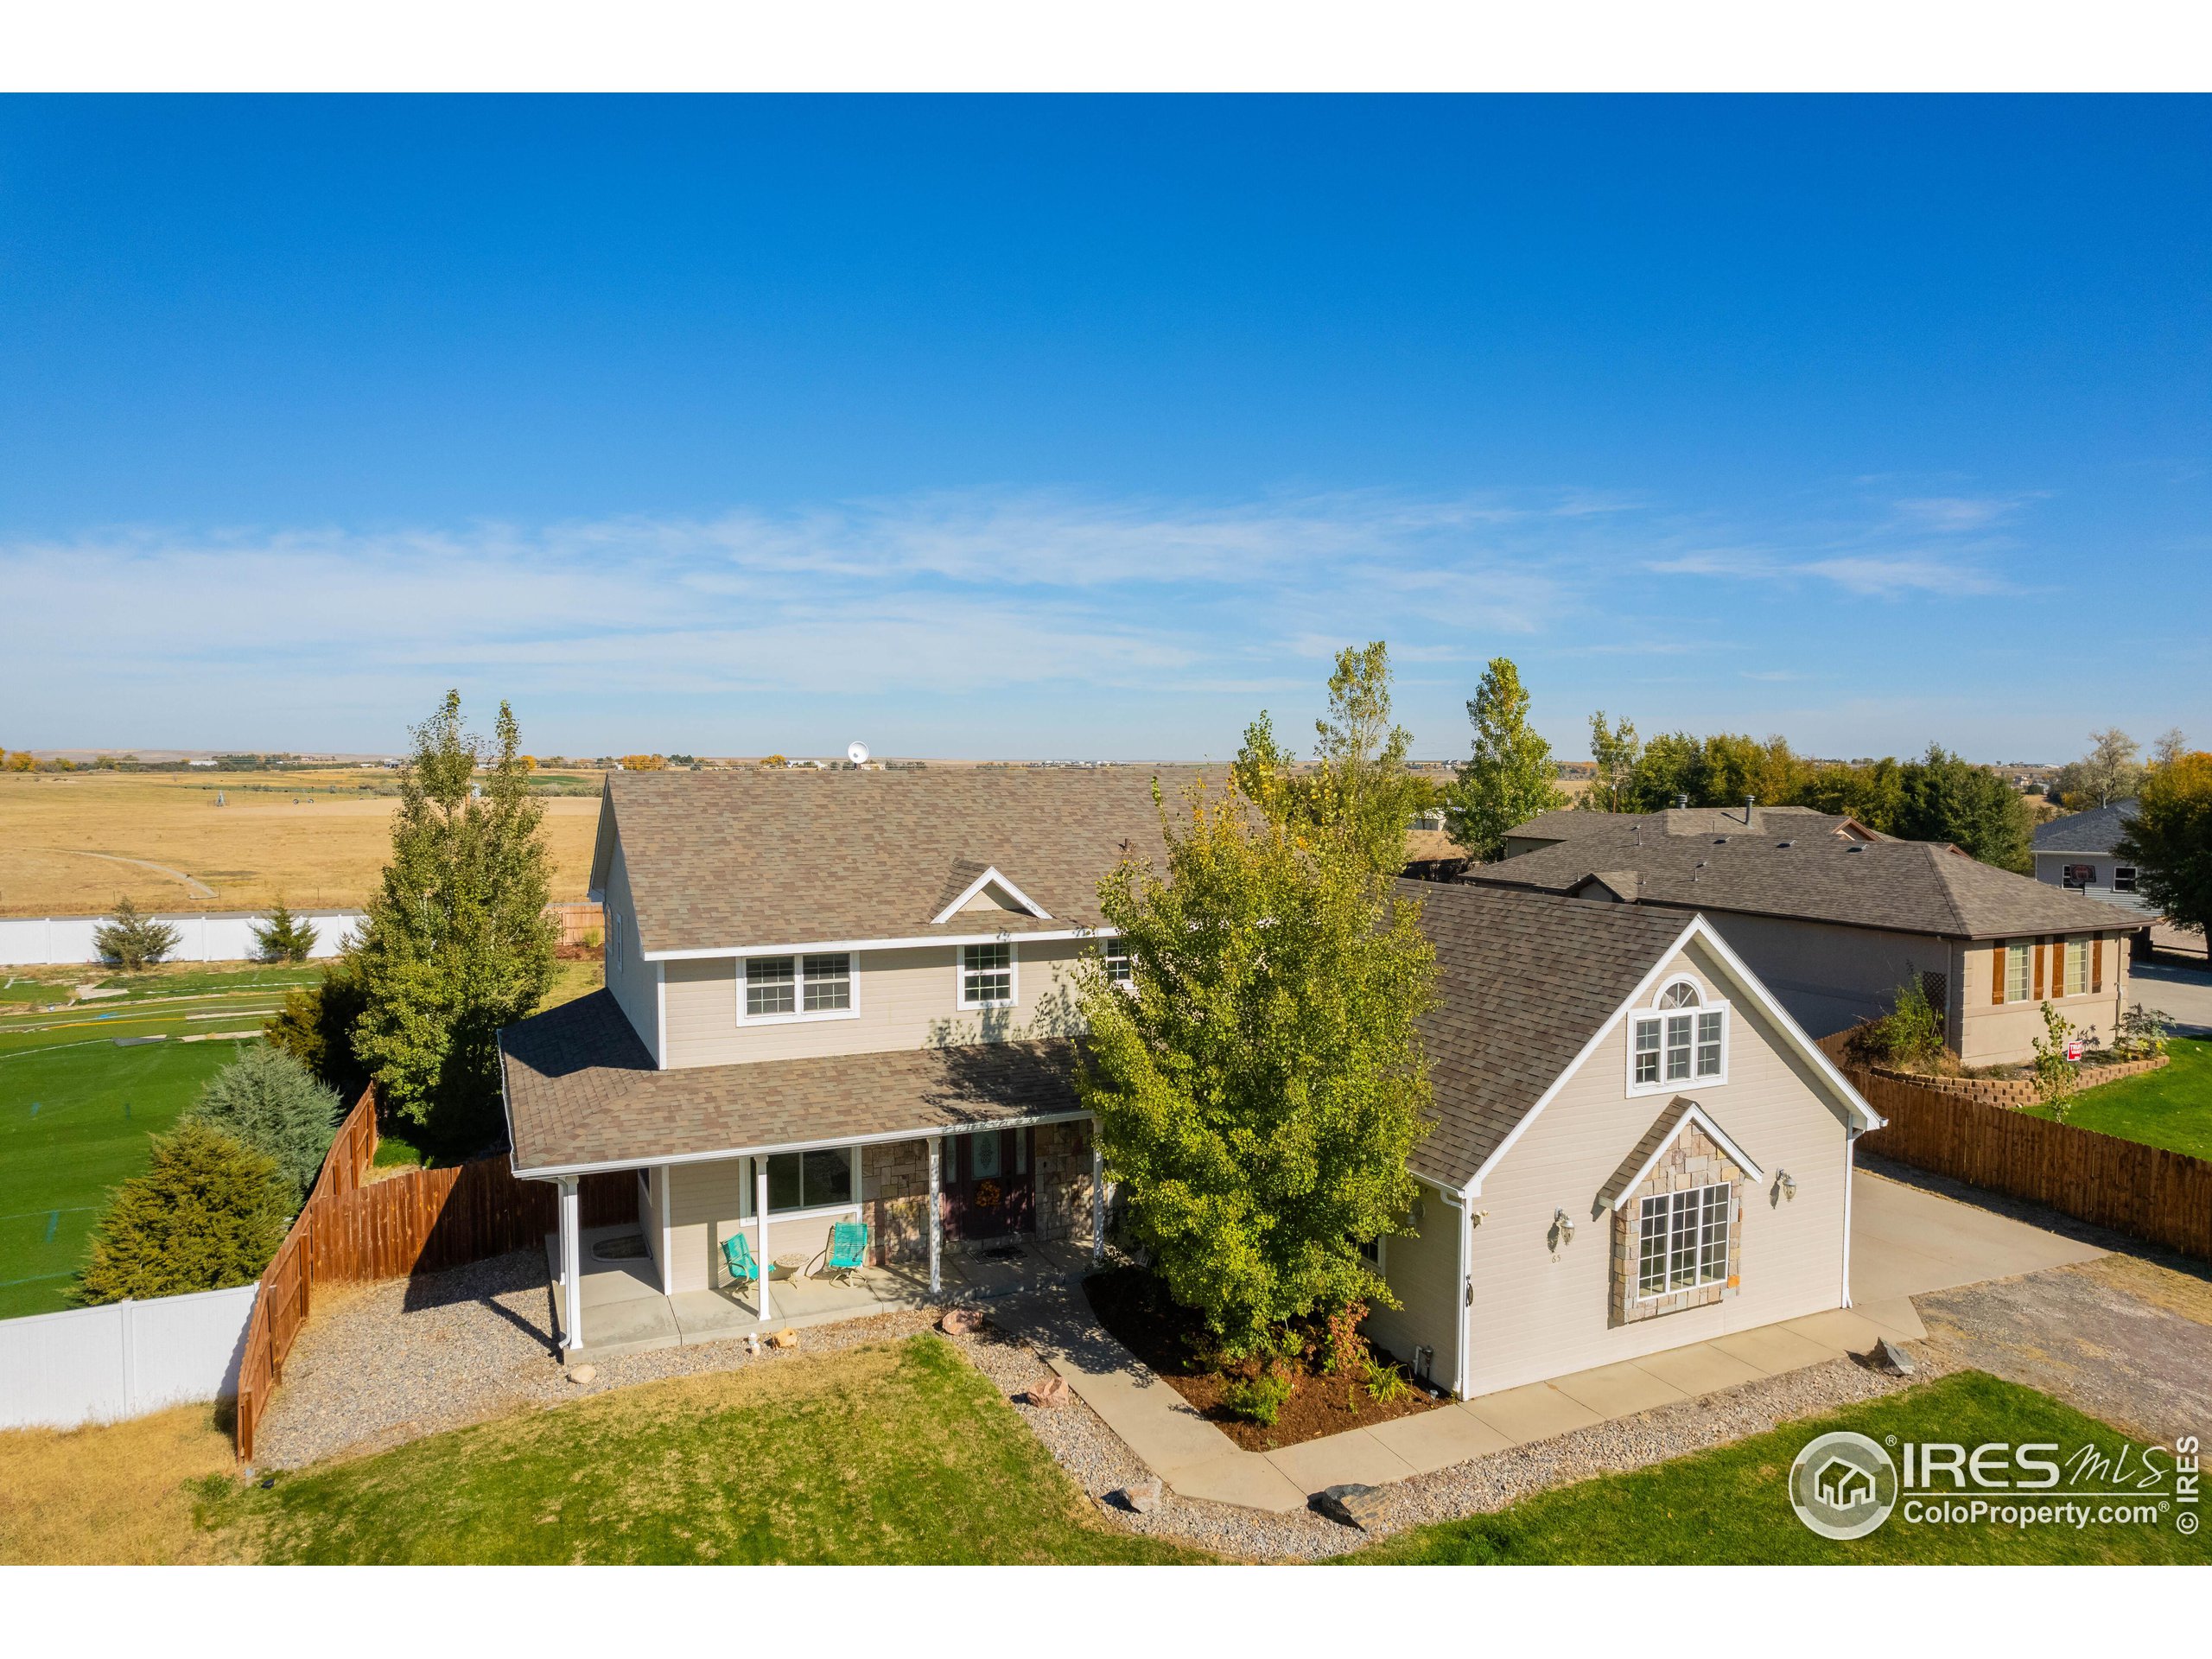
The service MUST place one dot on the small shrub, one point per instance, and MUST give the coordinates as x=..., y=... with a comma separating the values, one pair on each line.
x=209, y=1213
x=1344, y=1350
x=1385, y=1384
x=284, y=936
x=2055, y=1076
x=2144, y=1033
x=271, y=1103
x=1909, y=1037
x=592, y=938
x=1258, y=1398
x=132, y=941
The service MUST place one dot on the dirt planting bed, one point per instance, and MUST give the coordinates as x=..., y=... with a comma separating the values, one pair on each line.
x=1139, y=1315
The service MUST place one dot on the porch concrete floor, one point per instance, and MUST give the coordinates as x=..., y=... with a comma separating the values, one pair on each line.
x=625, y=1312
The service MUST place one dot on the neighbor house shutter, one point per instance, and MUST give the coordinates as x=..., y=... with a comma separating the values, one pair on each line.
x=2096, y=966
x=1996, y=979
x=2036, y=951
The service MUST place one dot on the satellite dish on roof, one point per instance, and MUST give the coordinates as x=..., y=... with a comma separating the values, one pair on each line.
x=856, y=753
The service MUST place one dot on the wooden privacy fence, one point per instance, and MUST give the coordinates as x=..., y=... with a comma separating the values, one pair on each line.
x=2147, y=1192
x=353, y=1229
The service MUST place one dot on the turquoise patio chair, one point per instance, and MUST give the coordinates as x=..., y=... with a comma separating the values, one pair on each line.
x=848, y=1250
x=738, y=1252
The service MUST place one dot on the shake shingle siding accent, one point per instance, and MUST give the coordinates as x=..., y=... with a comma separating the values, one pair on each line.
x=1524, y=981
x=581, y=1091
x=728, y=861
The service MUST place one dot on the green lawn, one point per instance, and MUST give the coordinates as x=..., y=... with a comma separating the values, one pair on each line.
x=2170, y=1108
x=898, y=1452
x=75, y=1110
x=1732, y=1505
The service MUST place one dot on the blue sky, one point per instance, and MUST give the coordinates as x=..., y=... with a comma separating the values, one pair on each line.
x=1090, y=427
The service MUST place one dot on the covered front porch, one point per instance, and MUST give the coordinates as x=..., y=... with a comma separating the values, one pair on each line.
x=621, y=1308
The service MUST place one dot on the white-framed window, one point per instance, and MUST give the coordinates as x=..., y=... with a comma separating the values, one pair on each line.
x=1120, y=969
x=1681, y=1239
x=2076, y=958
x=986, y=976
x=2123, y=878
x=2016, y=972
x=775, y=988
x=824, y=1177
x=1684, y=1040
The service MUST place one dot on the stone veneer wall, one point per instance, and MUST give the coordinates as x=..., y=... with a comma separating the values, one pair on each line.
x=895, y=1191
x=1693, y=1160
x=1062, y=1154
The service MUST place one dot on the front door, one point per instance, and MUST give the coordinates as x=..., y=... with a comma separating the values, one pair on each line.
x=988, y=1187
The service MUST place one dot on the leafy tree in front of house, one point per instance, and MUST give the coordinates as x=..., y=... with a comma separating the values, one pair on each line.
x=132, y=941
x=1359, y=779
x=1259, y=1093
x=457, y=942
x=268, y=1101
x=1510, y=776
x=2169, y=840
x=209, y=1213
x=283, y=936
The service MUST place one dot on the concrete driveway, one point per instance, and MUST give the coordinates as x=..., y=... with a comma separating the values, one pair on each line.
x=2185, y=993
x=1907, y=1241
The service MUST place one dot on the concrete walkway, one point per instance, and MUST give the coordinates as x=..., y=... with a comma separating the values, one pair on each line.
x=1907, y=1243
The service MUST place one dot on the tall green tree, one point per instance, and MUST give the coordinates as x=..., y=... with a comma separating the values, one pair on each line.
x=1873, y=793
x=1259, y=1093
x=1947, y=798
x=208, y=1214
x=457, y=942
x=1616, y=752
x=1358, y=784
x=132, y=941
x=2169, y=839
x=268, y=1101
x=1510, y=776
x=316, y=1023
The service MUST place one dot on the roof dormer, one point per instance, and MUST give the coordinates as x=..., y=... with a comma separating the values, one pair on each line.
x=989, y=892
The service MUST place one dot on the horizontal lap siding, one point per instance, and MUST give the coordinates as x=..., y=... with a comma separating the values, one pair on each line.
x=906, y=1000
x=1422, y=1269
x=629, y=975
x=1539, y=1313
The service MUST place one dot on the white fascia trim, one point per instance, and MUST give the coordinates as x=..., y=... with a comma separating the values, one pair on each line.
x=566, y=1171
x=1696, y=1115
x=660, y=1018
x=988, y=878
x=826, y=946
x=1853, y=1101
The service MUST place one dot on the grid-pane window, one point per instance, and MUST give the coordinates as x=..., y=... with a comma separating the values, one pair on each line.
x=1678, y=1045
x=770, y=987
x=1682, y=1240
x=986, y=975
x=2016, y=973
x=1680, y=996
x=1118, y=967
x=2077, y=967
x=1708, y=1045
x=1646, y=1051
x=829, y=984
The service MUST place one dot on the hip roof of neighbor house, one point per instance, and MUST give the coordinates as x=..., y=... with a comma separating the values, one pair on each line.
x=727, y=860
x=582, y=1094
x=2097, y=830
x=1572, y=823
x=1906, y=886
x=1524, y=981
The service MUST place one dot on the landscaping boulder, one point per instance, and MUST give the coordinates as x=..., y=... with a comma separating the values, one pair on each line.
x=1143, y=1496
x=1050, y=1391
x=1352, y=1505
x=961, y=1321
x=582, y=1375
x=1886, y=1355
x=785, y=1338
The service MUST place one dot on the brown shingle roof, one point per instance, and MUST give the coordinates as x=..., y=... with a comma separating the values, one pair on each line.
x=1523, y=982
x=1571, y=824
x=722, y=861
x=1910, y=887
x=582, y=1091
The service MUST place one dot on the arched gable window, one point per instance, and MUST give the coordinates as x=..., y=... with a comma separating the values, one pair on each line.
x=1684, y=1040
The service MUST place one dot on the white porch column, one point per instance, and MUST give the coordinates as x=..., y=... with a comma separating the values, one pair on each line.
x=1097, y=1199
x=662, y=1181
x=760, y=1228
x=572, y=1265
x=937, y=1214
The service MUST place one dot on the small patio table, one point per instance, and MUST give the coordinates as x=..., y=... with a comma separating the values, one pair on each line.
x=792, y=1266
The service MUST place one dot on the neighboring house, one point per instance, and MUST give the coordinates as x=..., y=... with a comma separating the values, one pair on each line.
x=1833, y=919
x=845, y=995
x=2080, y=852
x=1635, y=1146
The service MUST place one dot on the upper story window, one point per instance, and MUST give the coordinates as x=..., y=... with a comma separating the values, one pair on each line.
x=1120, y=969
x=1684, y=1041
x=2123, y=878
x=798, y=987
x=986, y=976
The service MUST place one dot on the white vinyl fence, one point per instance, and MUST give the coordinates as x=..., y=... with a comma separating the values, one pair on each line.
x=213, y=935
x=97, y=1365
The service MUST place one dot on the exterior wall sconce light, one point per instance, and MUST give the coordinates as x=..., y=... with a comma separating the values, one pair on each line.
x=1563, y=1225
x=1786, y=1184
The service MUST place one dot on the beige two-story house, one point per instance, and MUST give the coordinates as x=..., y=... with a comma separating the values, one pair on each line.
x=845, y=997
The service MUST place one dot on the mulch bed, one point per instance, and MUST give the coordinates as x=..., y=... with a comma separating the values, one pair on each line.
x=1138, y=1313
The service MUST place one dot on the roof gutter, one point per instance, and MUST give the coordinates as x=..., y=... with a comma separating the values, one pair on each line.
x=1005, y=936
x=914, y=1131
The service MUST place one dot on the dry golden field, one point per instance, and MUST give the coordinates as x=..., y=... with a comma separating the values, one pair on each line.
x=71, y=843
